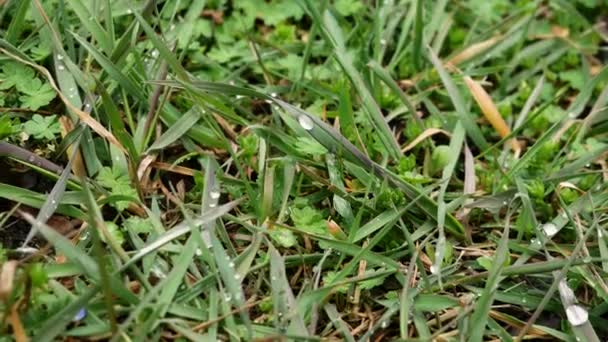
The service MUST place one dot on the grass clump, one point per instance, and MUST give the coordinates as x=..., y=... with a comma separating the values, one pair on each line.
x=303, y=170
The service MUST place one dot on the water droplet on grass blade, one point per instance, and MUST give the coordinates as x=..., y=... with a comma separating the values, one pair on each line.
x=59, y=57
x=80, y=315
x=577, y=315
x=550, y=229
x=60, y=67
x=306, y=122
x=214, y=194
x=434, y=269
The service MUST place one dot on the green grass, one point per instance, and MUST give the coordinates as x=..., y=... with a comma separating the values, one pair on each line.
x=238, y=170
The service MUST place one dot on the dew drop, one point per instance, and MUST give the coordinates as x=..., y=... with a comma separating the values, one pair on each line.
x=273, y=278
x=84, y=236
x=53, y=202
x=587, y=259
x=129, y=11
x=588, y=165
x=382, y=41
x=238, y=97
x=564, y=215
x=550, y=229
x=384, y=324
x=237, y=277
x=31, y=159
x=59, y=57
x=504, y=203
x=273, y=94
x=231, y=264
x=535, y=242
x=80, y=315
x=600, y=234
x=212, y=205
x=577, y=315
x=228, y=298
x=60, y=67
x=214, y=194
x=306, y=122
x=434, y=269
x=87, y=106
x=198, y=252
x=572, y=115
x=524, y=300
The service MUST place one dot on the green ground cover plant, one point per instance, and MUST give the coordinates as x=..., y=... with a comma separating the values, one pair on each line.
x=216, y=170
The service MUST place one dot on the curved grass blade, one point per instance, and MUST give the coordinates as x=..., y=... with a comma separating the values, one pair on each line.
x=287, y=315
x=54, y=198
x=180, y=230
x=176, y=131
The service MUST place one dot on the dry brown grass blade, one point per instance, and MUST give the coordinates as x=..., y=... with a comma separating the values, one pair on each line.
x=174, y=168
x=427, y=133
x=78, y=164
x=473, y=50
x=18, y=331
x=86, y=118
x=7, y=276
x=490, y=112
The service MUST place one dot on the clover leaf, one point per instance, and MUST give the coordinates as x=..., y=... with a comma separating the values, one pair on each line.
x=42, y=127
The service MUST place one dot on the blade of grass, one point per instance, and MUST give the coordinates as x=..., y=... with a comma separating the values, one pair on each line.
x=54, y=198
x=333, y=34
x=479, y=318
x=287, y=316
x=176, y=131
x=467, y=121
x=181, y=229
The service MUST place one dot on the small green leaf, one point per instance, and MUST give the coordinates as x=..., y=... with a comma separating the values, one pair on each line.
x=36, y=98
x=115, y=232
x=284, y=237
x=118, y=183
x=42, y=127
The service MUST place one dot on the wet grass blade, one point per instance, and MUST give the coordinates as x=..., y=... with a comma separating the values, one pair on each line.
x=287, y=316
x=54, y=198
x=333, y=34
x=181, y=229
x=479, y=318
